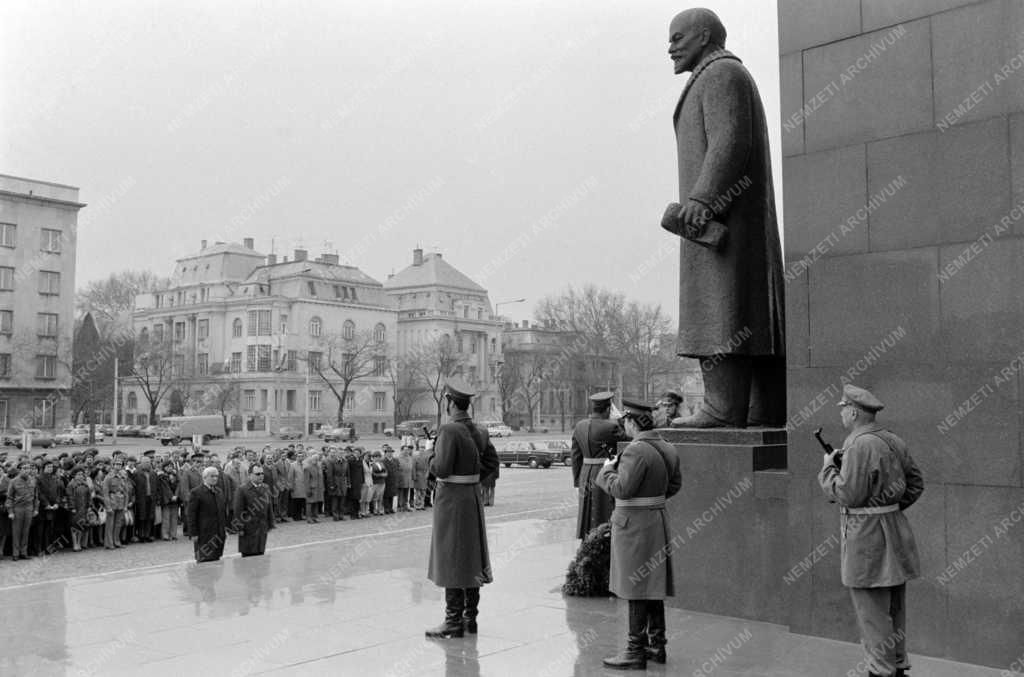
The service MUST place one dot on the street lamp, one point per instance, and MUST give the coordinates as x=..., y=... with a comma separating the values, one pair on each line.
x=505, y=303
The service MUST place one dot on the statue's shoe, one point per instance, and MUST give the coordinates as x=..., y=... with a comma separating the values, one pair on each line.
x=701, y=419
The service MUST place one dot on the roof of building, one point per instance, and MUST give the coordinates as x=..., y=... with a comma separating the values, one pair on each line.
x=328, y=272
x=223, y=248
x=433, y=272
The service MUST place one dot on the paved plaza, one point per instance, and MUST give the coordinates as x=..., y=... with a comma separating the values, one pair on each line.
x=358, y=605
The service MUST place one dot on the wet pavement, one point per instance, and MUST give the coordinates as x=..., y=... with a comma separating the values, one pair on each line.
x=359, y=605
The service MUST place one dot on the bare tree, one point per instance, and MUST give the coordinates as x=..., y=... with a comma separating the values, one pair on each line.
x=432, y=363
x=109, y=299
x=401, y=377
x=153, y=370
x=346, y=360
x=639, y=337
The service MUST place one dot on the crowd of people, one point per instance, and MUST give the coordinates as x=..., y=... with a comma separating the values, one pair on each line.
x=87, y=500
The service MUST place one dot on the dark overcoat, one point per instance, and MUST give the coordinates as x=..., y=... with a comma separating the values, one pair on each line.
x=254, y=514
x=355, y=478
x=641, y=565
x=145, y=506
x=207, y=517
x=313, y=475
x=420, y=469
x=877, y=550
x=597, y=438
x=458, y=542
x=730, y=300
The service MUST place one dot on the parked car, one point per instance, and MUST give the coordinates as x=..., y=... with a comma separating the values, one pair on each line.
x=84, y=428
x=39, y=438
x=415, y=428
x=289, y=433
x=106, y=429
x=72, y=436
x=524, y=453
x=150, y=431
x=497, y=429
x=560, y=449
x=389, y=432
x=345, y=433
x=133, y=431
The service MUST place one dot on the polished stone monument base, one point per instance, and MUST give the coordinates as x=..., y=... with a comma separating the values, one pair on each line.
x=730, y=522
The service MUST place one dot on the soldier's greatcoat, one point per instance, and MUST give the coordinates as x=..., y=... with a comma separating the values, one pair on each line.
x=458, y=543
x=878, y=550
x=254, y=517
x=730, y=301
x=594, y=437
x=641, y=565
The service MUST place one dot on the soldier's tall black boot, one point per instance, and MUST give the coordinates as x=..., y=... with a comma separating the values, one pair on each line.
x=470, y=611
x=656, y=630
x=634, y=657
x=454, y=600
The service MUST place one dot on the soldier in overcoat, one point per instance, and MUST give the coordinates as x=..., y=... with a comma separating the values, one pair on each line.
x=254, y=513
x=459, y=560
x=640, y=481
x=594, y=440
x=875, y=481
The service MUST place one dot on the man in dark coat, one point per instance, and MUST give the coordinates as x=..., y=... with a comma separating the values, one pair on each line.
x=336, y=473
x=207, y=517
x=146, y=489
x=189, y=477
x=594, y=440
x=459, y=561
x=731, y=313
x=254, y=513
x=355, y=482
x=641, y=479
x=391, y=481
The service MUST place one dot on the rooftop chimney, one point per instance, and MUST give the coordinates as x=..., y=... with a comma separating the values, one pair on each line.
x=202, y=244
x=247, y=243
x=526, y=324
x=271, y=259
x=300, y=254
x=417, y=257
x=331, y=259
x=284, y=259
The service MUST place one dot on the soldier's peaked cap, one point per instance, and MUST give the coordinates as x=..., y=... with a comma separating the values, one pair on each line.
x=861, y=398
x=603, y=396
x=459, y=389
x=635, y=408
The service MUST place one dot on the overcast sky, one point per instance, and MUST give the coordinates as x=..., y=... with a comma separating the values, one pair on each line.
x=530, y=142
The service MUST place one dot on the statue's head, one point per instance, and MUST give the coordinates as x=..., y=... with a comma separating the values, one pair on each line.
x=692, y=34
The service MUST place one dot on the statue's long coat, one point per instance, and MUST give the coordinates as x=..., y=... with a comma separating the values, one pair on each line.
x=730, y=301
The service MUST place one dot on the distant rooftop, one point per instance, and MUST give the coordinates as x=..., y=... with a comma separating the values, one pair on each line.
x=224, y=248
x=328, y=272
x=45, y=190
x=431, y=270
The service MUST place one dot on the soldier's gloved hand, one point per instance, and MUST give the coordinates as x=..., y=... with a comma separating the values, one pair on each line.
x=611, y=460
x=830, y=459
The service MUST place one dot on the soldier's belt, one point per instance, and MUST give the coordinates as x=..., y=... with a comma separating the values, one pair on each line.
x=460, y=479
x=642, y=502
x=874, y=510
x=594, y=461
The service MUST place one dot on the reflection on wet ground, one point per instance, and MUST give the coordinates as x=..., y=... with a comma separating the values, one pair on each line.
x=360, y=608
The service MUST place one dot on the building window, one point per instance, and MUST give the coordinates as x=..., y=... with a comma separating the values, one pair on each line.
x=158, y=333
x=259, y=323
x=494, y=405
x=378, y=401
x=178, y=366
x=350, y=402
x=236, y=328
x=42, y=413
x=5, y=367
x=494, y=345
x=314, y=360
x=458, y=343
x=283, y=324
x=47, y=325
x=379, y=365
x=6, y=321
x=314, y=400
x=263, y=358
x=472, y=344
x=379, y=333
x=204, y=293
x=3, y=414
x=8, y=233
x=316, y=327
x=236, y=363
x=312, y=287
x=250, y=399
x=352, y=293
x=465, y=312
x=472, y=374
x=46, y=366
x=250, y=358
x=291, y=360
x=6, y=278
x=289, y=400
x=51, y=241
x=179, y=332
x=133, y=401
x=339, y=292
x=203, y=329
x=203, y=363
x=348, y=331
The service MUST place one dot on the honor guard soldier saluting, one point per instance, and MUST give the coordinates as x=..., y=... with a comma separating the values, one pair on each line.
x=459, y=561
x=877, y=482
x=640, y=481
x=594, y=440
x=667, y=409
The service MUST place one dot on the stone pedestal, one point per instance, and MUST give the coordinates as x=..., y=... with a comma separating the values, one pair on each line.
x=730, y=522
